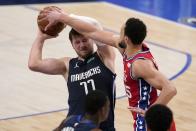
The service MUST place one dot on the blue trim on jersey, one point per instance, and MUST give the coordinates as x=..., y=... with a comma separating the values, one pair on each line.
x=144, y=102
x=140, y=124
x=145, y=89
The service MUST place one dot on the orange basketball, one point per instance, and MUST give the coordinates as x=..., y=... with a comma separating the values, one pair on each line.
x=53, y=30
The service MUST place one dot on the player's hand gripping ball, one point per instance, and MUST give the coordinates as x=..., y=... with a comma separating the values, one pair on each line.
x=54, y=30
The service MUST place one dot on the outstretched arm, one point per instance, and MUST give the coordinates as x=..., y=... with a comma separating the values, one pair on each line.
x=82, y=27
x=50, y=65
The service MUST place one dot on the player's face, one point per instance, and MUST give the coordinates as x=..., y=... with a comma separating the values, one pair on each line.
x=83, y=46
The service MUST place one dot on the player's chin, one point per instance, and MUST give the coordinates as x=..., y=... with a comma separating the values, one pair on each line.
x=84, y=54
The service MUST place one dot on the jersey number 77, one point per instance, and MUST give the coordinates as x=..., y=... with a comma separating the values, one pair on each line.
x=88, y=83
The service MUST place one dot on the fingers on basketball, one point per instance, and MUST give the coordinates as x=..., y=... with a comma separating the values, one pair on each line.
x=42, y=22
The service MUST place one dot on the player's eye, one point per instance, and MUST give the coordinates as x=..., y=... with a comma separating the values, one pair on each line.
x=84, y=40
x=77, y=42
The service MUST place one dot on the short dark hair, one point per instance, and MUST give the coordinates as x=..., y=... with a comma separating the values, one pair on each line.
x=159, y=118
x=135, y=29
x=94, y=101
x=73, y=33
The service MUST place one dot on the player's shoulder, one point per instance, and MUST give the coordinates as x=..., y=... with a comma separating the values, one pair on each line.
x=142, y=63
x=143, y=67
x=65, y=59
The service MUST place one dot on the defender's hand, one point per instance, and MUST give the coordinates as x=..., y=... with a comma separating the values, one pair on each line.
x=137, y=110
x=52, y=16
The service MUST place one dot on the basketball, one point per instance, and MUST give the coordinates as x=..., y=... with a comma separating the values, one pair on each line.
x=53, y=30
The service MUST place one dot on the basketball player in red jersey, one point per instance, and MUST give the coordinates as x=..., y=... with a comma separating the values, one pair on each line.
x=141, y=75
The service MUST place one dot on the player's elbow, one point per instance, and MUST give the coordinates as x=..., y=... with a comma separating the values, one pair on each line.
x=32, y=66
x=172, y=90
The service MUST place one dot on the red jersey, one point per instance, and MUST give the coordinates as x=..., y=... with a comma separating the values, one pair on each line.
x=139, y=92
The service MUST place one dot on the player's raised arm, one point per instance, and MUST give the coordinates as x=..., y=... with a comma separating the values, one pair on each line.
x=82, y=27
x=51, y=66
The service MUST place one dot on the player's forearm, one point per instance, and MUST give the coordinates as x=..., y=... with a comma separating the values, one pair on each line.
x=35, y=54
x=89, y=27
x=78, y=24
x=166, y=95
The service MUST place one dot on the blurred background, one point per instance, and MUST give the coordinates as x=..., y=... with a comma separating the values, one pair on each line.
x=182, y=11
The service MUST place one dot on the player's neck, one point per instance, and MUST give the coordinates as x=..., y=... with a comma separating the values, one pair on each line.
x=86, y=57
x=80, y=58
x=132, y=50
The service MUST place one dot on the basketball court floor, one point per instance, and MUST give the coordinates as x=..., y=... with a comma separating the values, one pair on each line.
x=31, y=101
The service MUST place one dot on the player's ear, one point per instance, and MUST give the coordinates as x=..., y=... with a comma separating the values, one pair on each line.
x=126, y=39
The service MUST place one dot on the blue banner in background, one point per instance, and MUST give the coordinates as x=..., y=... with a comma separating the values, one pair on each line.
x=181, y=11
